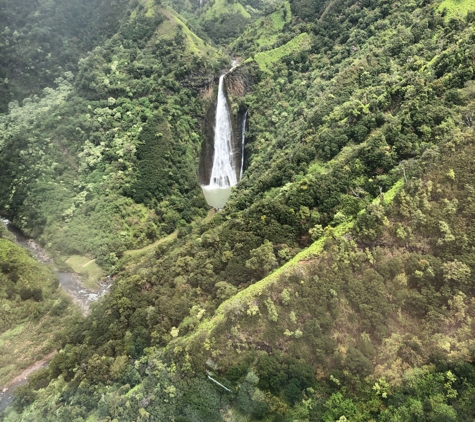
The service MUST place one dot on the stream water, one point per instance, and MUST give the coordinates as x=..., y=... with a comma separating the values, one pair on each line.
x=243, y=143
x=6, y=394
x=70, y=283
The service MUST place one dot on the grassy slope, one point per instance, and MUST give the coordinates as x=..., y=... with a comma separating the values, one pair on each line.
x=262, y=288
x=221, y=7
x=224, y=21
x=150, y=247
x=299, y=43
x=87, y=268
x=452, y=335
x=457, y=8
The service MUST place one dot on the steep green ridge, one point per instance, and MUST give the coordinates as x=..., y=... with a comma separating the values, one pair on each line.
x=265, y=31
x=252, y=293
x=174, y=22
x=221, y=7
x=223, y=20
x=337, y=283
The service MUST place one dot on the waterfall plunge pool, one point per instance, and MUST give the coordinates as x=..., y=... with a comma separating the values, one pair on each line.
x=216, y=196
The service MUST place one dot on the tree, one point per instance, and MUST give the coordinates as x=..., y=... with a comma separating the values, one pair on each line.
x=262, y=259
x=456, y=271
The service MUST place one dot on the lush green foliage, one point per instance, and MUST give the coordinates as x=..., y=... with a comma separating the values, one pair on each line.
x=358, y=187
x=224, y=20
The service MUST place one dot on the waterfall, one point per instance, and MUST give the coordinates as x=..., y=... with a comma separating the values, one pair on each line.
x=243, y=140
x=224, y=169
x=223, y=173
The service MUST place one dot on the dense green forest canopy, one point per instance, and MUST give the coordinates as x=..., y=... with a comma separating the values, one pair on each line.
x=336, y=284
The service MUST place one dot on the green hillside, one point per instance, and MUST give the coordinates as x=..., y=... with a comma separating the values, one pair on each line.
x=266, y=59
x=42, y=40
x=265, y=31
x=219, y=8
x=173, y=25
x=224, y=20
x=337, y=284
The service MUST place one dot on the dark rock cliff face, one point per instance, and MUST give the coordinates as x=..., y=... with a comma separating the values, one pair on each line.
x=236, y=84
x=207, y=147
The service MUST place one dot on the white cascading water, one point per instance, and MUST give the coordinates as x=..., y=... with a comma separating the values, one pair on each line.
x=243, y=141
x=223, y=172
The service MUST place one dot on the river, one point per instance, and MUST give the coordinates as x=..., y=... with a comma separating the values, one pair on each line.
x=69, y=282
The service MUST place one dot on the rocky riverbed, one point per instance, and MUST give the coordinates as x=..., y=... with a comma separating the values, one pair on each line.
x=70, y=282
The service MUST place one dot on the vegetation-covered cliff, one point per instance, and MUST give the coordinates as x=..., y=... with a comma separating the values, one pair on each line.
x=336, y=284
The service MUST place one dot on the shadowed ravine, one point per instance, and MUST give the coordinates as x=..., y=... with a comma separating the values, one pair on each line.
x=70, y=283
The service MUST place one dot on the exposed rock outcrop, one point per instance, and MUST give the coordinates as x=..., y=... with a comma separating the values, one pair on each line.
x=238, y=82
